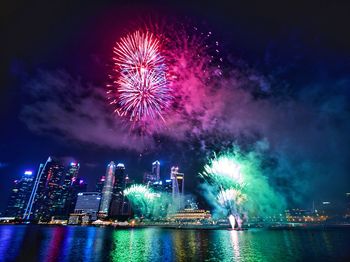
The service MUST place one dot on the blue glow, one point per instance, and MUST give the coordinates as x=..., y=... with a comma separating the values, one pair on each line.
x=28, y=172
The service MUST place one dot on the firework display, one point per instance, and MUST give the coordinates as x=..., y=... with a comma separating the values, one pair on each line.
x=146, y=202
x=239, y=187
x=142, y=87
x=159, y=75
x=224, y=173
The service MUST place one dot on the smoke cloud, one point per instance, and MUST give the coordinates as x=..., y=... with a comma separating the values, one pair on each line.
x=303, y=136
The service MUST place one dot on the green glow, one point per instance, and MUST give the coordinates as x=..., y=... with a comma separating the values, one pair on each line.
x=237, y=184
x=148, y=203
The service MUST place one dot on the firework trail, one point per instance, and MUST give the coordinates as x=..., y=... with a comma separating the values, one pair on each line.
x=141, y=86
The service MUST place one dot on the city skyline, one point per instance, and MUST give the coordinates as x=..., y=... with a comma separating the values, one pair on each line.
x=252, y=77
x=162, y=130
x=25, y=192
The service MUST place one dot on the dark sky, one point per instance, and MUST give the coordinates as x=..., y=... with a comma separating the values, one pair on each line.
x=302, y=50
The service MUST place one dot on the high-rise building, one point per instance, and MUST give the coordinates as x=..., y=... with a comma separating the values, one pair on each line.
x=78, y=186
x=70, y=187
x=154, y=176
x=100, y=183
x=54, y=191
x=20, y=195
x=48, y=193
x=178, y=181
x=107, y=190
x=156, y=170
x=118, y=200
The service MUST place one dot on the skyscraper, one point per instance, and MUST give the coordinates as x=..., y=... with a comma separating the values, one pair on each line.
x=178, y=181
x=28, y=211
x=154, y=176
x=118, y=200
x=156, y=170
x=20, y=195
x=100, y=183
x=107, y=190
x=54, y=192
x=77, y=186
x=46, y=194
x=71, y=186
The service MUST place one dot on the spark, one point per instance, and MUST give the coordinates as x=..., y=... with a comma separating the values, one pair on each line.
x=142, y=86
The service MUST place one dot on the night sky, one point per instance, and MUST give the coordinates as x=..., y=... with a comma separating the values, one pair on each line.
x=291, y=63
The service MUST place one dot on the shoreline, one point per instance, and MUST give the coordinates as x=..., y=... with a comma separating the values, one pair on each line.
x=201, y=227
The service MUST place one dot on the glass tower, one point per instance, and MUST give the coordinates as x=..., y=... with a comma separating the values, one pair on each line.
x=20, y=195
x=107, y=190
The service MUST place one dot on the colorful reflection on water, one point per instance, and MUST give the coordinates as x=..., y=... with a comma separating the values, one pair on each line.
x=51, y=243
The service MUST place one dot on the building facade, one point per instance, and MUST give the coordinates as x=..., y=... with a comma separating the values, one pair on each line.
x=107, y=190
x=20, y=195
x=119, y=202
x=86, y=208
x=54, y=191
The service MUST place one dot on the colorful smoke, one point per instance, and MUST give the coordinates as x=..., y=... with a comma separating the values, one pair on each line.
x=147, y=203
x=235, y=184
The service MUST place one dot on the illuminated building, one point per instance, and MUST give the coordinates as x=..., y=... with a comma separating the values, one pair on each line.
x=86, y=208
x=303, y=216
x=78, y=186
x=190, y=215
x=54, y=191
x=70, y=187
x=156, y=170
x=119, y=202
x=154, y=176
x=178, y=181
x=46, y=191
x=107, y=190
x=20, y=195
x=100, y=183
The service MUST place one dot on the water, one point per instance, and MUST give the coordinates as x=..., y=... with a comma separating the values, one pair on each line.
x=54, y=243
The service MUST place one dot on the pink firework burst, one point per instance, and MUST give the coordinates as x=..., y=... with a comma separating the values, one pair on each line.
x=141, y=86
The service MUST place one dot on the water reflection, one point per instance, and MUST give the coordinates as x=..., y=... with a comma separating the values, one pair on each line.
x=43, y=243
x=235, y=244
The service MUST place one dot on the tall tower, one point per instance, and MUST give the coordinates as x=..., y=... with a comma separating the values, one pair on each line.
x=33, y=196
x=118, y=194
x=156, y=170
x=100, y=183
x=68, y=191
x=20, y=195
x=107, y=189
x=178, y=181
x=47, y=191
x=54, y=191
